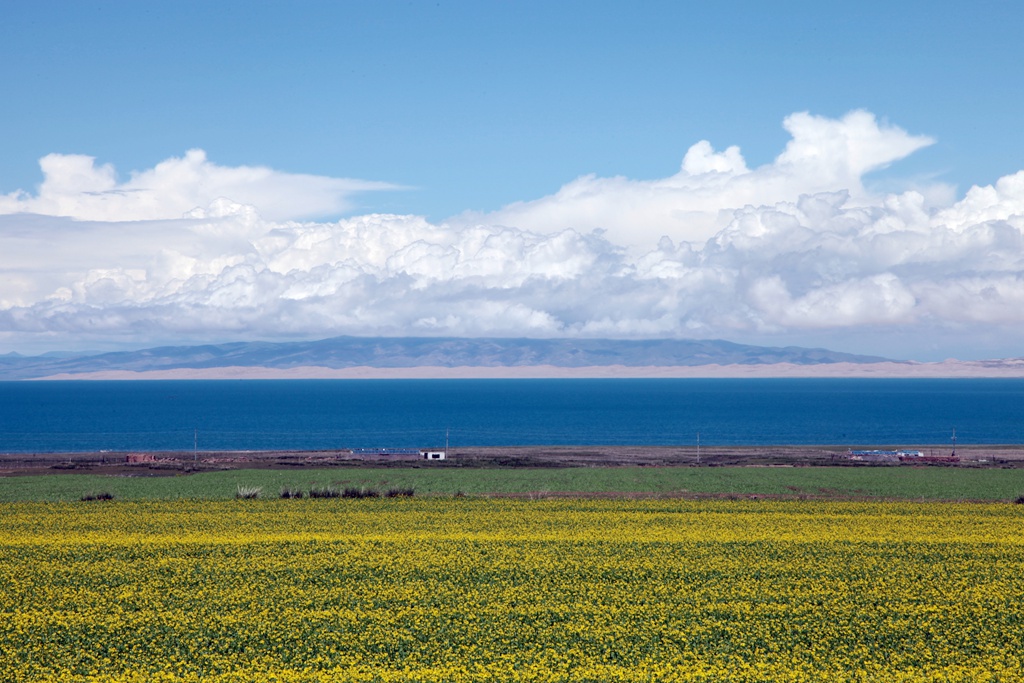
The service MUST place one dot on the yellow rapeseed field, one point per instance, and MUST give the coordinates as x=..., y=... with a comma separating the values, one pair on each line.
x=498, y=590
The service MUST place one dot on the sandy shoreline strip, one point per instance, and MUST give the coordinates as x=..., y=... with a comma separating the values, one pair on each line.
x=946, y=369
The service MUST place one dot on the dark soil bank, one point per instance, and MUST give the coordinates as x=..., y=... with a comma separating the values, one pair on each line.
x=170, y=463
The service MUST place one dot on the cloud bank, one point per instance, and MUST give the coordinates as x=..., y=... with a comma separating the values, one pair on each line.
x=824, y=155
x=73, y=185
x=797, y=251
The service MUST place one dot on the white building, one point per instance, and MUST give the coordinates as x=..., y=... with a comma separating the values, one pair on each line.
x=432, y=454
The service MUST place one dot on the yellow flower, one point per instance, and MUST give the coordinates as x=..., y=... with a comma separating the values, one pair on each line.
x=488, y=590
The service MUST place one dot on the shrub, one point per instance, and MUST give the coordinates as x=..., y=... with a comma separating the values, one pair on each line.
x=324, y=492
x=288, y=492
x=1020, y=499
x=248, y=492
x=397, y=492
x=105, y=495
x=351, y=492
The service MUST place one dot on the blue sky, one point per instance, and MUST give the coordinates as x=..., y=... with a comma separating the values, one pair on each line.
x=479, y=104
x=459, y=111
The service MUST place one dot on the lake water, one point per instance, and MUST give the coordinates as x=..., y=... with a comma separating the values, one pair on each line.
x=326, y=414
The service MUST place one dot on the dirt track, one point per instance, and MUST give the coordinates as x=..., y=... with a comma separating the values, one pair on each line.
x=169, y=463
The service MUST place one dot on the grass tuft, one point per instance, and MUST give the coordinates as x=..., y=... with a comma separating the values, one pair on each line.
x=105, y=495
x=248, y=492
x=324, y=492
x=352, y=492
x=289, y=492
x=400, y=492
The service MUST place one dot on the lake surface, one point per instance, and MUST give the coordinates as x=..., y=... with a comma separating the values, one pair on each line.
x=329, y=414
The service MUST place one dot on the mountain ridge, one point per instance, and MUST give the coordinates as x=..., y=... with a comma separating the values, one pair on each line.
x=413, y=352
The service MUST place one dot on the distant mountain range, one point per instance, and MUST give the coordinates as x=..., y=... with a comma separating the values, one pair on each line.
x=411, y=352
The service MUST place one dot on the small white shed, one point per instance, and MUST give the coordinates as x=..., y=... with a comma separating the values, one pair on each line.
x=433, y=454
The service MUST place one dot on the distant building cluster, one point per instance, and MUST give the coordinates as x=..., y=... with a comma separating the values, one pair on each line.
x=899, y=456
x=422, y=453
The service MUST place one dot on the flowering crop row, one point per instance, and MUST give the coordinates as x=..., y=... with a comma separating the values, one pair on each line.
x=488, y=590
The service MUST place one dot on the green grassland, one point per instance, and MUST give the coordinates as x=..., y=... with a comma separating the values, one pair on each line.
x=927, y=483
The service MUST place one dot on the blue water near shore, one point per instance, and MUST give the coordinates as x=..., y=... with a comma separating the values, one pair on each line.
x=325, y=414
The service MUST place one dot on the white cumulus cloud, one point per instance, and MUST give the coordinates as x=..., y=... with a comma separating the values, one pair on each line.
x=795, y=252
x=73, y=185
x=824, y=155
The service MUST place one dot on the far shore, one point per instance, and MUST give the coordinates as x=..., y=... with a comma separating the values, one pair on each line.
x=172, y=463
x=1013, y=368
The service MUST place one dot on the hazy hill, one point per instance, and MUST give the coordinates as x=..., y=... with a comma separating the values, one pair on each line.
x=406, y=352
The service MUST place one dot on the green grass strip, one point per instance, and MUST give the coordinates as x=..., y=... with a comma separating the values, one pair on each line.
x=930, y=483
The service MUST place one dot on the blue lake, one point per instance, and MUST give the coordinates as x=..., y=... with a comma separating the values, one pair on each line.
x=328, y=414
